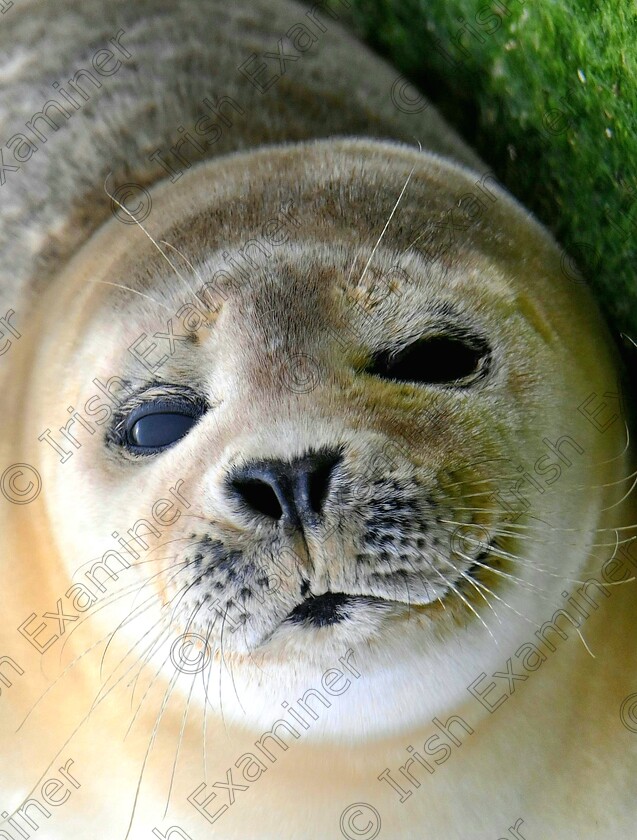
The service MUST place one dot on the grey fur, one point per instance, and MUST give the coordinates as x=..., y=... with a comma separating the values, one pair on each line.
x=180, y=53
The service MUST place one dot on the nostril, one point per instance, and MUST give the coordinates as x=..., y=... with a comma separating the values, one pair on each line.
x=292, y=491
x=259, y=496
x=319, y=482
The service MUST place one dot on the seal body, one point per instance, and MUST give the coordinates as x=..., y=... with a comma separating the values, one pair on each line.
x=317, y=501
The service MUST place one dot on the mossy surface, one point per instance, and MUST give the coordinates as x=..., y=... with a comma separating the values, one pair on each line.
x=546, y=92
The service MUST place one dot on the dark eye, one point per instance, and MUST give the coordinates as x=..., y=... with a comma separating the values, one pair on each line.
x=437, y=360
x=158, y=429
x=156, y=423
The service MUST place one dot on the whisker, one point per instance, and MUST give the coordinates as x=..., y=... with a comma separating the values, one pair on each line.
x=489, y=568
x=137, y=563
x=111, y=599
x=153, y=736
x=391, y=215
x=146, y=660
x=188, y=263
x=131, y=616
x=181, y=734
x=164, y=703
x=146, y=656
x=128, y=289
x=183, y=720
x=94, y=705
x=71, y=665
x=143, y=229
x=451, y=586
x=351, y=271
x=473, y=583
x=625, y=496
x=205, y=707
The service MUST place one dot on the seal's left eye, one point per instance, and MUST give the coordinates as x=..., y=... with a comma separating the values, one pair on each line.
x=451, y=360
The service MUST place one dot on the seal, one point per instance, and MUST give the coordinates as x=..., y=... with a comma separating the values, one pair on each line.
x=317, y=510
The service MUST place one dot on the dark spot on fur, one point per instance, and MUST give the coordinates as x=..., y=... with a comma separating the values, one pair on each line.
x=322, y=610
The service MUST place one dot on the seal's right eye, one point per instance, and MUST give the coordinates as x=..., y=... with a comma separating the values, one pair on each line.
x=158, y=427
x=151, y=422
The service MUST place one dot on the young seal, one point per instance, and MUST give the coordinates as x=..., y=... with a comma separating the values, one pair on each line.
x=317, y=517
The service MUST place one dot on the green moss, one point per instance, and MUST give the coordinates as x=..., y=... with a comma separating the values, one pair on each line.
x=546, y=91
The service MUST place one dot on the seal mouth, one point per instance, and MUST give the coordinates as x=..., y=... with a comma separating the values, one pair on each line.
x=331, y=608
x=328, y=608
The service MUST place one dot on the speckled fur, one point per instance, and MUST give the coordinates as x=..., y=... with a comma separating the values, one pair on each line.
x=417, y=461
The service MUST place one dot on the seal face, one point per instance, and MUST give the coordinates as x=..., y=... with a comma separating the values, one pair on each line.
x=314, y=439
x=353, y=426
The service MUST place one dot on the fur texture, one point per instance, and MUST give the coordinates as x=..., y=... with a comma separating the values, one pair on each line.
x=262, y=287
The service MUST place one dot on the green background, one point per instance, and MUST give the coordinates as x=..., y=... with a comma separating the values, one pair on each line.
x=546, y=93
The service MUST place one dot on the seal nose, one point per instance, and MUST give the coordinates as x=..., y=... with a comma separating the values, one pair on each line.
x=293, y=490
